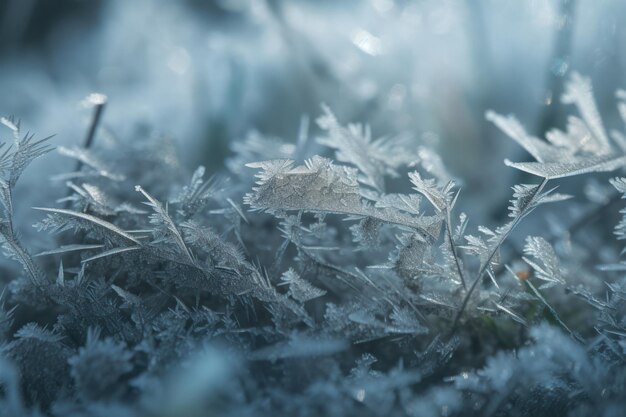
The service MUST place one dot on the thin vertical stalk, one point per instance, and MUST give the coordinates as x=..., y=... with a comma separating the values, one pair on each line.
x=99, y=101
x=494, y=249
x=553, y=312
x=453, y=248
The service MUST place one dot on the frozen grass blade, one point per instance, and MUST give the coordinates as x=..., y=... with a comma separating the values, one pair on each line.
x=91, y=219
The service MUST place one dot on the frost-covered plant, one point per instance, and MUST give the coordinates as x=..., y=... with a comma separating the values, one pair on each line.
x=333, y=296
x=98, y=366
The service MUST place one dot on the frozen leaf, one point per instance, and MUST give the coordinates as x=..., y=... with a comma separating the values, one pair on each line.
x=541, y=257
x=12, y=124
x=539, y=149
x=512, y=314
x=68, y=248
x=300, y=289
x=573, y=166
x=430, y=160
x=525, y=198
x=405, y=321
x=440, y=197
x=353, y=144
x=365, y=232
x=583, y=148
x=321, y=186
x=620, y=184
x=97, y=200
x=197, y=194
x=576, y=139
x=409, y=203
x=71, y=219
x=578, y=92
x=459, y=231
x=111, y=252
x=15, y=159
x=34, y=331
x=487, y=247
x=522, y=197
x=164, y=223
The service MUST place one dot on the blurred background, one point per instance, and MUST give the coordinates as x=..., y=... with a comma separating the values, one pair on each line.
x=208, y=72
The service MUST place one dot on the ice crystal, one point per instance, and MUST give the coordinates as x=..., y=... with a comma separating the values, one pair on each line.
x=339, y=286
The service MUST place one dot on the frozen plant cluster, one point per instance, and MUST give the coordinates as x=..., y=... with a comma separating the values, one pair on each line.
x=311, y=289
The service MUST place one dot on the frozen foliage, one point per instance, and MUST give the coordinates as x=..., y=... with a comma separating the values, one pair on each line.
x=584, y=147
x=332, y=296
x=353, y=144
x=543, y=260
x=299, y=288
x=108, y=356
x=552, y=373
x=321, y=186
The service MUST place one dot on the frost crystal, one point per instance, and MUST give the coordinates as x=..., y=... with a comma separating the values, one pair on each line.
x=300, y=289
x=335, y=286
x=541, y=257
x=583, y=148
